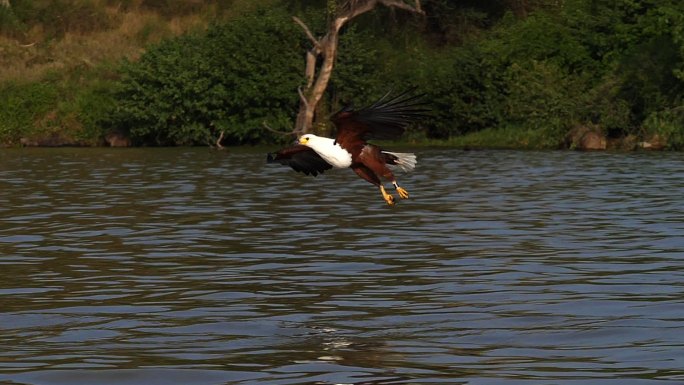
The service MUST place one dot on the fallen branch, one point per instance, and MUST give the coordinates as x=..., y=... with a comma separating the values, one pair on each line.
x=218, y=141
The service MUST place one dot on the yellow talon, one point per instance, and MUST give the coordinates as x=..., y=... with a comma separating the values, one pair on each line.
x=388, y=197
x=402, y=193
x=390, y=200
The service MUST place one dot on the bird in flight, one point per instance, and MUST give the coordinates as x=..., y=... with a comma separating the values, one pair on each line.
x=387, y=118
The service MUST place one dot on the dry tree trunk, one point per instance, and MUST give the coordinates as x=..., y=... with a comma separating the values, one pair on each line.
x=325, y=48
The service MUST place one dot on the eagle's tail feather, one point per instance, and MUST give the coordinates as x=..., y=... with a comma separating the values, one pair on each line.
x=402, y=160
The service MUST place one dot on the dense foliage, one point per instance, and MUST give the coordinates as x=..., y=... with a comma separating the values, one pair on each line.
x=532, y=70
x=234, y=78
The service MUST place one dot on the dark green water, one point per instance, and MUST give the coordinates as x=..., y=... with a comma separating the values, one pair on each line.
x=191, y=266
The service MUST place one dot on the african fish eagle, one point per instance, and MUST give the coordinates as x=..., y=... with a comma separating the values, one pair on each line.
x=387, y=118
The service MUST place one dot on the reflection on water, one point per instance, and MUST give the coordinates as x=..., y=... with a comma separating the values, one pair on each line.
x=190, y=266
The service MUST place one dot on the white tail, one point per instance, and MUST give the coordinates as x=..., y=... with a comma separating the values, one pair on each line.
x=405, y=161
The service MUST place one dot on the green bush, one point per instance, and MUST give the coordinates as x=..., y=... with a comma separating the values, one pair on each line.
x=10, y=25
x=667, y=124
x=90, y=99
x=544, y=98
x=233, y=78
x=500, y=72
x=467, y=91
x=463, y=85
x=22, y=105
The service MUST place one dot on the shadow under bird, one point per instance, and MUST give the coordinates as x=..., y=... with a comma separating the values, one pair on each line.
x=387, y=118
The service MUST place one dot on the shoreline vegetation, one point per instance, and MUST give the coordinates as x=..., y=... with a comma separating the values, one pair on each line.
x=518, y=74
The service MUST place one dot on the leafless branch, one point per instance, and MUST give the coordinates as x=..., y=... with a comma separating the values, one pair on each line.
x=283, y=133
x=353, y=8
x=218, y=141
x=401, y=5
x=320, y=59
x=302, y=97
x=308, y=33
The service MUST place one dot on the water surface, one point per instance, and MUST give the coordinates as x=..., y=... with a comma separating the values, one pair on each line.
x=192, y=266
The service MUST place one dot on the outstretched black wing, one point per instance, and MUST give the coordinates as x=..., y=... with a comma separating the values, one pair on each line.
x=387, y=118
x=301, y=158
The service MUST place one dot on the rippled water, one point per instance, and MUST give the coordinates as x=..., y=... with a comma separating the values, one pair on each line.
x=191, y=266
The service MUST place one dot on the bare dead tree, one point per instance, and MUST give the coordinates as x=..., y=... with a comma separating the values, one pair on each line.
x=318, y=72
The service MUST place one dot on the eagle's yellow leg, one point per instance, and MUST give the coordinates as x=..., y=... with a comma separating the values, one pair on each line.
x=402, y=192
x=388, y=197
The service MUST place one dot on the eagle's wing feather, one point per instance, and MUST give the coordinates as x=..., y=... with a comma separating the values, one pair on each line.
x=301, y=158
x=387, y=118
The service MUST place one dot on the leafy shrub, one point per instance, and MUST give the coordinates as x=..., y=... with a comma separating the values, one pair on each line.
x=467, y=90
x=10, y=24
x=232, y=78
x=543, y=97
x=89, y=101
x=669, y=125
x=22, y=105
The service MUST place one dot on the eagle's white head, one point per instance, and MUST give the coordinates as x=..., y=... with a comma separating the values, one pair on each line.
x=311, y=140
x=330, y=151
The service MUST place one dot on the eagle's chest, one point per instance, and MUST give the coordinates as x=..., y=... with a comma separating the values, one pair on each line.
x=336, y=155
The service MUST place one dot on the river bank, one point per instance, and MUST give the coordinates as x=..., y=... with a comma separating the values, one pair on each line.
x=508, y=139
x=576, y=75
